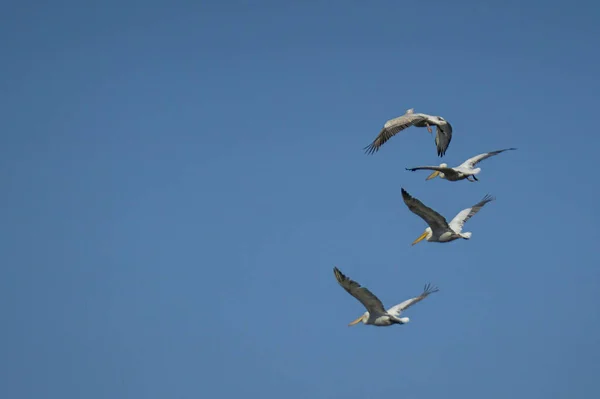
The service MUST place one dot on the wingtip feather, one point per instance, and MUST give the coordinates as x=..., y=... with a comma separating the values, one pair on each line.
x=429, y=289
x=405, y=195
x=488, y=198
x=370, y=149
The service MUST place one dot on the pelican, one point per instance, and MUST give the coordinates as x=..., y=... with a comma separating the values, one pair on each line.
x=376, y=314
x=439, y=229
x=393, y=126
x=465, y=170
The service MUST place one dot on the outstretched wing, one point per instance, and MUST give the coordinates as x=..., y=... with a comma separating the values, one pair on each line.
x=392, y=127
x=364, y=296
x=471, y=162
x=443, y=137
x=460, y=219
x=436, y=221
x=397, y=309
x=446, y=171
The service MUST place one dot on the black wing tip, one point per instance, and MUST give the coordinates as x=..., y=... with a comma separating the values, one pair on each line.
x=405, y=193
x=502, y=150
x=488, y=198
x=371, y=149
x=411, y=169
x=442, y=152
x=443, y=147
x=429, y=289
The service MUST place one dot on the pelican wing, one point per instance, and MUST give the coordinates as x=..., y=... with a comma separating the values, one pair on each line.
x=446, y=171
x=436, y=221
x=397, y=309
x=471, y=162
x=461, y=218
x=392, y=127
x=364, y=296
x=443, y=137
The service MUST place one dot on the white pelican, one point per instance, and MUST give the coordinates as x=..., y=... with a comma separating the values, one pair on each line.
x=439, y=229
x=393, y=126
x=376, y=314
x=465, y=170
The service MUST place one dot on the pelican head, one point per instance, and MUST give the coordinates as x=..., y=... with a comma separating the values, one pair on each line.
x=404, y=320
x=437, y=173
x=427, y=234
x=363, y=318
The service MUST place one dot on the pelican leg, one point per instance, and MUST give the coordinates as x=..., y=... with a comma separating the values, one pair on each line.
x=428, y=127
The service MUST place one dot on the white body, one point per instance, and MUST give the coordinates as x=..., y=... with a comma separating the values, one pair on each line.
x=461, y=172
x=382, y=320
x=447, y=236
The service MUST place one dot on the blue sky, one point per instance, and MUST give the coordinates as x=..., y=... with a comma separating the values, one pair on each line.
x=180, y=178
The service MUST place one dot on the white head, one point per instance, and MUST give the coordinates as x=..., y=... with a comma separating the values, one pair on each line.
x=427, y=234
x=437, y=173
x=404, y=320
x=363, y=318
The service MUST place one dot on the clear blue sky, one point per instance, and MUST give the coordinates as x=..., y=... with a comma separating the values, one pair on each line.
x=178, y=181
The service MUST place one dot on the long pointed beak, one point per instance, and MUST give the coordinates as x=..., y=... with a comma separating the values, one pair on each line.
x=355, y=321
x=421, y=237
x=433, y=175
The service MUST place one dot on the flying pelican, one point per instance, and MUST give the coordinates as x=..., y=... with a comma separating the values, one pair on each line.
x=465, y=170
x=393, y=126
x=376, y=314
x=439, y=229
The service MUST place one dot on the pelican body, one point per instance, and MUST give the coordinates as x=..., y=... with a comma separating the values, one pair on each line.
x=410, y=118
x=465, y=170
x=378, y=320
x=439, y=229
x=376, y=314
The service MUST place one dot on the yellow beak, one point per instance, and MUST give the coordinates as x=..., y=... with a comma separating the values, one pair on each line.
x=355, y=321
x=433, y=175
x=421, y=237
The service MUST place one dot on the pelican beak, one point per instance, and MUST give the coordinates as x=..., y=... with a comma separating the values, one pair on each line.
x=355, y=321
x=433, y=175
x=421, y=237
